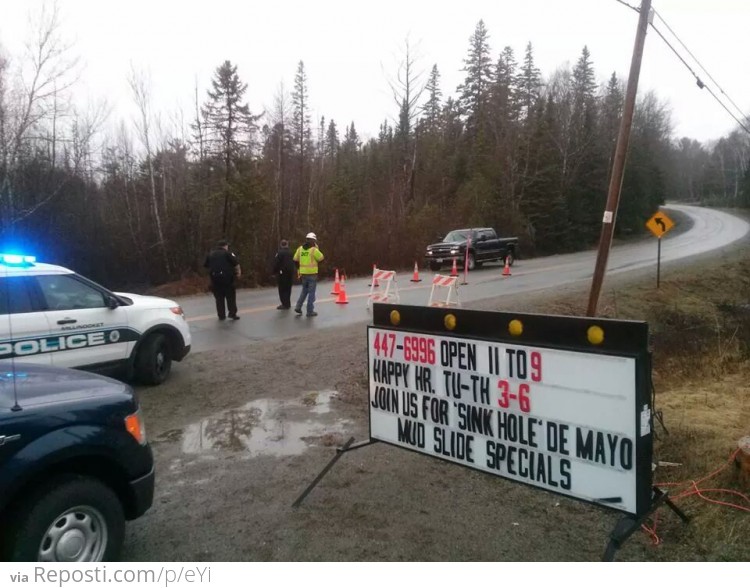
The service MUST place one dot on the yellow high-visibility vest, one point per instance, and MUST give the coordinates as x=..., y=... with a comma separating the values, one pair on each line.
x=308, y=259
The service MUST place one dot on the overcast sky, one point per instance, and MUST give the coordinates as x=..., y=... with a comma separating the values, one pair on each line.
x=351, y=48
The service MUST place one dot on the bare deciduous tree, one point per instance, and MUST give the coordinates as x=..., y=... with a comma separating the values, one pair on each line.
x=29, y=95
x=140, y=86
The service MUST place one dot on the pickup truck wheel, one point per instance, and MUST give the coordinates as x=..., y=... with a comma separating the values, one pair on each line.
x=70, y=519
x=434, y=266
x=472, y=262
x=154, y=360
x=509, y=258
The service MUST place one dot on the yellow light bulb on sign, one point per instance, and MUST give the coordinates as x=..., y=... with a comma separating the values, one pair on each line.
x=515, y=327
x=450, y=321
x=395, y=318
x=595, y=335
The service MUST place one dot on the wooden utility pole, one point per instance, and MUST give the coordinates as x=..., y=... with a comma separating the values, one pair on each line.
x=621, y=153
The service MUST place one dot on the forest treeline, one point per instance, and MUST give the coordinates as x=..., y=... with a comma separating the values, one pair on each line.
x=526, y=153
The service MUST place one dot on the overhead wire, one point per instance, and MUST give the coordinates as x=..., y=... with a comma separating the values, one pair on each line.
x=710, y=77
x=698, y=80
x=629, y=5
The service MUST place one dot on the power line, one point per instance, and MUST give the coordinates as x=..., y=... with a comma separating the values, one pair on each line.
x=629, y=5
x=744, y=116
x=698, y=81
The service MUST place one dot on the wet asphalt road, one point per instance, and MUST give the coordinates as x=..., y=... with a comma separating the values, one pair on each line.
x=711, y=229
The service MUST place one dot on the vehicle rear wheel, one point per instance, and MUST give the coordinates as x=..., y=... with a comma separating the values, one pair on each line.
x=434, y=266
x=154, y=360
x=510, y=258
x=472, y=262
x=70, y=519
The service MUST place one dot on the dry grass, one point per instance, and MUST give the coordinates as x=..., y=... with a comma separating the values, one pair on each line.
x=699, y=322
x=699, y=325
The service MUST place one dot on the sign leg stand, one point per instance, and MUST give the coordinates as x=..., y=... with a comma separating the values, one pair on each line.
x=626, y=526
x=348, y=446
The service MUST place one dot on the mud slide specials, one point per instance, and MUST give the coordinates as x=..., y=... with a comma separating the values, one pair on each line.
x=556, y=419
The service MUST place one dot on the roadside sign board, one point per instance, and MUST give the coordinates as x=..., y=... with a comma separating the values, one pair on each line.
x=659, y=224
x=559, y=403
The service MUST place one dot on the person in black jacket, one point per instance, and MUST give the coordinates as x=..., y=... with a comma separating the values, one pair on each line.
x=223, y=266
x=285, y=268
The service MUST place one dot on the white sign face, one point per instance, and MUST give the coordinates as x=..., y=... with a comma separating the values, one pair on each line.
x=561, y=420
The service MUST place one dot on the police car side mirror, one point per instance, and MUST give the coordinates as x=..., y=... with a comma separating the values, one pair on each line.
x=112, y=302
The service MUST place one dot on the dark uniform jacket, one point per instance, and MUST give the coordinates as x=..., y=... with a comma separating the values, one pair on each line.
x=221, y=266
x=283, y=264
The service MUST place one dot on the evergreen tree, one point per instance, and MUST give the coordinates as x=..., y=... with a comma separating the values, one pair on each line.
x=230, y=126
x=745, y=187
x=302, y=140
x=351, y=139
x=301, y=116
x=504, y=89
x=474, y=92
x=332, y=139
x=432, y=107
x=529, y=83
x=611, y=115
x=543, y=204
x=586, y=189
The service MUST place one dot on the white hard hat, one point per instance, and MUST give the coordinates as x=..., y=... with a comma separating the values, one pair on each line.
x=311, y=236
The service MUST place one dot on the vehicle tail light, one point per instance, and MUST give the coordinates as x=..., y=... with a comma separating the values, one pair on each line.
x=135, y=425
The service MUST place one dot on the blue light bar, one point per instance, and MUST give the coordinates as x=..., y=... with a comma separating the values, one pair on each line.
x=15, y=259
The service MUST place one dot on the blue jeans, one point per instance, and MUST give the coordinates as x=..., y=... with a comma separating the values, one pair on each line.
x=309, y=283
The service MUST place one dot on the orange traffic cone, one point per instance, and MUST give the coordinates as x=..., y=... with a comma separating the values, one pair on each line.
x=374, y=283
x=506, y=269
x=336, y=283
x=415, y=278
x=454, y=271
x=342, y=299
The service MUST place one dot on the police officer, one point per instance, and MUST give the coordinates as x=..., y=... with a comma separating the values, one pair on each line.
x=308, y=256
x=223, y=266
x=284, y=268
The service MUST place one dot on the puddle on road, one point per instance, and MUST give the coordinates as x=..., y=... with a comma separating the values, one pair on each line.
x=268, y=427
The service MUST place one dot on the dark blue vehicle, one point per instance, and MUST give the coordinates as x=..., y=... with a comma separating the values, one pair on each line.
x=74, y=464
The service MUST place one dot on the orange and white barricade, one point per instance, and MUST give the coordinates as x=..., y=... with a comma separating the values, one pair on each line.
x=387, y=277
x=449, y=282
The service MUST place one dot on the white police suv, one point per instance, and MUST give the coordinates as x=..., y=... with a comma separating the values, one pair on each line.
x=50, y=315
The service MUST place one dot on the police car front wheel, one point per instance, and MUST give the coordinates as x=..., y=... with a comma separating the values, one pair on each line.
x=154, y=360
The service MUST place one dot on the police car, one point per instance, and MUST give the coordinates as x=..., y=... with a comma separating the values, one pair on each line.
x=50, y=315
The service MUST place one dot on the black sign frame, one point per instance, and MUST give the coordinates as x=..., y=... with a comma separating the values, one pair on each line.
x=622, y=338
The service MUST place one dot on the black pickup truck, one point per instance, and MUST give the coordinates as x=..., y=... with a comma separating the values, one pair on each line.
x=484, y=245
x=74, y=464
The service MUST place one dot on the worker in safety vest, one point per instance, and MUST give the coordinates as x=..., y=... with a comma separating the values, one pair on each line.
x=307, y=257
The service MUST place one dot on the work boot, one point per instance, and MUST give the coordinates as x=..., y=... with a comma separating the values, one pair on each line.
x=298, y=310
x=234, y=317
x=313, y=313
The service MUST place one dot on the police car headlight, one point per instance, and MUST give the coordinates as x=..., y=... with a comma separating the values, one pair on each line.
x=177, y=310
x=136, y=427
